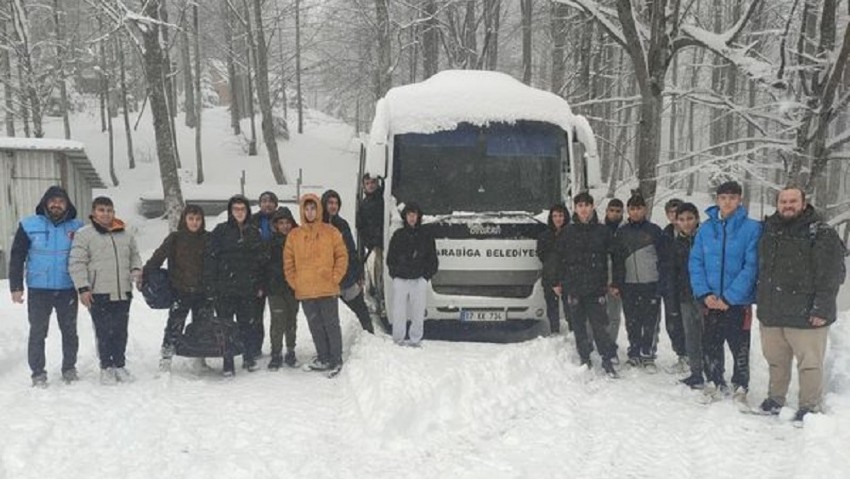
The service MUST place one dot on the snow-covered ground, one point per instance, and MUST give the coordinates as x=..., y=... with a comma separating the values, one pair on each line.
x=446, y=410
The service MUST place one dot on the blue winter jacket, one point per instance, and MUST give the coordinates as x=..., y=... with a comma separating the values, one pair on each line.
x=724, y=258
x=44, y=245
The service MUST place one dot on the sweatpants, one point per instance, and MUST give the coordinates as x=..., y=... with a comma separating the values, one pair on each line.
x=40, y=304
x=323, y=320
x=614, y=308
x=180, y=308
x=358, y=306
x=284, y=321
x=732, y=327
x=553, y=309
x=641, y=308
x=409, y=304
x=373, y=265
x=244, y=309
x=808, y=346
x=675, y=331
x=692, y=319
x=590, y=309
x=110, y=320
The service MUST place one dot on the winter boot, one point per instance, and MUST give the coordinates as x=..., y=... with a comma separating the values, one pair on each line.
x=250, y=364
x=289, y=359
x=608, y=367
x=649, y=365
x=70, y=375
x=107, y=377
x=39, y=380
x=771, y=406
x=694, y=381
x=229, y=368
x=124, y=376
x=276, y=362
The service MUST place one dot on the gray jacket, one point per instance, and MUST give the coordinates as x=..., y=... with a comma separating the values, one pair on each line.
x=101, y=260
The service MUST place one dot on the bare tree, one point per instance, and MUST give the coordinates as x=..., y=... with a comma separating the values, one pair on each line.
x=262, y=79
x=198, y=104
x=383, y=76
x=430, y=40
x=526, y=11
x=60, y=68
x=131, y=157
x=189, y=106
x=6, y=67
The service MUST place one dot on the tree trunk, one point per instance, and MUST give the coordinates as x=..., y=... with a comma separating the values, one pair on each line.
x=249, y=67
x=262, y=78
x=526, y=11
x=470, y=43
x=168, y=78
x=28, y=86
x=23, y=100
x=60, y=68
x=6, y=68
x=198, y=103
x=298, y=94
x=189, y=106
x=154, y=59
x=232, y=79
x=383, y=77
x=492, y=20
x=430, y=41
x=110, y=130
x=126, y=113
x=558, y=12
x=103, y=91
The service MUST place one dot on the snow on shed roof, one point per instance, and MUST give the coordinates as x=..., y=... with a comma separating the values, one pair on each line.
x=478, y=97
x=75, y=151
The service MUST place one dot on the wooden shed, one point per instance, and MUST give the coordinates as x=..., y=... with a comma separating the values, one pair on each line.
x=28, y=166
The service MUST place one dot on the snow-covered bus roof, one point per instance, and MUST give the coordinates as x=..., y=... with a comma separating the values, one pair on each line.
x=478, y=97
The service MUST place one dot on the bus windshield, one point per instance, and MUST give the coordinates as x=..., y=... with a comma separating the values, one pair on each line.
x=498, y=167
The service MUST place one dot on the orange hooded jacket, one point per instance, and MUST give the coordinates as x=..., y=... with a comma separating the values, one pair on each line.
x=314, y=257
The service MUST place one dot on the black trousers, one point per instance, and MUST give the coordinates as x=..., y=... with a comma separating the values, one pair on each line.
x=675, y=329
x=358, y=306
x=40, y=304
x=641, y=308
x=110, y=320
x=177, y=314
x=733, y=328
x=244, y=309
x=590, y=309
x=553, y=310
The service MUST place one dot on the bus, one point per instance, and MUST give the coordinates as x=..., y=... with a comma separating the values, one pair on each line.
x=485, y=156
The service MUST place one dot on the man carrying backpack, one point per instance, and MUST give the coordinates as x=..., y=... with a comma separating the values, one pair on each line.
x=801, y=267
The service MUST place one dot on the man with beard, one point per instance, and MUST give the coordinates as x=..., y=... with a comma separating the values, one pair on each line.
x=42, y=244
x=801, y=267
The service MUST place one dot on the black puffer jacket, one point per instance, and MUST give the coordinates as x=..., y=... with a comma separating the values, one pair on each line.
x=585, y=249
x=234, y=257
x=800, y=270
x=547, y=250
x=355, y=266
x=370, y=220
x=412, y=253
x=276, y=283
x=678, y=276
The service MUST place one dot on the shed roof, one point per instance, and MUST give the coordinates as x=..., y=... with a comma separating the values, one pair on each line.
x=75, y=151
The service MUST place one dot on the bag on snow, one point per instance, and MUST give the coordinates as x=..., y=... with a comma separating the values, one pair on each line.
x=156, y=288
x=210, y=337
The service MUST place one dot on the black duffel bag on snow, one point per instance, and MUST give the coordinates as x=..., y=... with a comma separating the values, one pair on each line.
x=210, y=337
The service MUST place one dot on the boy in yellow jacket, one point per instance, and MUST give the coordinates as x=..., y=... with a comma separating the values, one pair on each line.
x=315, y=261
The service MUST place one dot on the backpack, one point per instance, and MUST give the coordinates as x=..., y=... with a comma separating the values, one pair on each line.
x=157, y=290
x=210, y=337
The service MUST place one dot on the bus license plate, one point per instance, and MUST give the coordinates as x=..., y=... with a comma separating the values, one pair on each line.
x=482, y=315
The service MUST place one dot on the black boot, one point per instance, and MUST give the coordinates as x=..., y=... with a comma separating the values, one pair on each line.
x=276, y=362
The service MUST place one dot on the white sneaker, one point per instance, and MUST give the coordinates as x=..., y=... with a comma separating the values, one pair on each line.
x=124, y=376
x=107, y=377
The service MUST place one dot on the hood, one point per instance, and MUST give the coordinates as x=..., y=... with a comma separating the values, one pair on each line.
x=238, y=199
x=310, y=197
x=187, y=211
x=284, y=213
x=53, y=192
x=558, y=207
x=325, y=197
x=411, y=206
x=116, y=226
